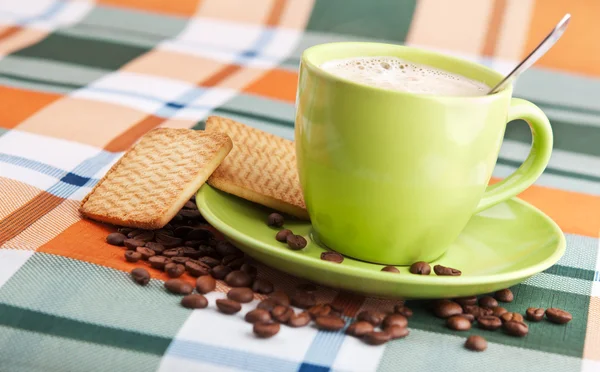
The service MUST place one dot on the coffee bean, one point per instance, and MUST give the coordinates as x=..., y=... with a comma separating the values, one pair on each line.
x=182, y=231
x=319, y=310
x=359, y=328
x=158, y=262
x=132, y=244
x=220, y=271
x=332, y=257
x=115, y=239
x=168, y=241
x=189, y=205
x=488, y=301
x=145, y=252
x=140, y=276
x=330, y=323
x=210, y=261
x=191, y=214
x=504, y=295
x=174, y=270
x=476, y=343
x=166, y=230
x=205, y=284
x=190, y=252
x=267, y=304
x=200, y=233
x=372, y=316
x=377, y=338
x=514, y=328
x=237, y=263
x=225, y=248
x=180, y=260
x=391, y=269
x=296, y=242
x=193, y=243
x=243, y=295
x=510, y=317
x=229, y=259
x=194, y=301
x=299, y=320
x=535, y=314
x=207, y=251
x=303, y=300
x=489, y=322
x=132, y=256
x=464, y=301
x=195, y=268
x=446, y=308
x=420, y=268
x=404, y=310
x=446, y=271
x=282, y=314
x=238, y=278
x=499, y=311
x=394, y=320
x=558, y=316
x=275, y=220
x=179, y=286
x=156, y=247
x=144, y=235
x=228, y=306
x=282, y=235
x=125, y=230
x=397, y=332
x=258, y=315
x=173, y=252
x=265, y=330
x=307, y=287
x=262, y=286
x=250, y=270
x=132, y=234
x=458, y=323
x=477, y=311
x=469, y=317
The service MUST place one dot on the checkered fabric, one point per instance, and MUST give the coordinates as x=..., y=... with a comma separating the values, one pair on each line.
x=81, y=81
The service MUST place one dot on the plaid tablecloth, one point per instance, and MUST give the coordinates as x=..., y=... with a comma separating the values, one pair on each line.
x=82, y=81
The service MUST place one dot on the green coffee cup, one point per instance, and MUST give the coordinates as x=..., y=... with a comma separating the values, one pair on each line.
x=393, y=177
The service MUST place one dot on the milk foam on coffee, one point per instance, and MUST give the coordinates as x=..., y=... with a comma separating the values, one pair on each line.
x=394, y=73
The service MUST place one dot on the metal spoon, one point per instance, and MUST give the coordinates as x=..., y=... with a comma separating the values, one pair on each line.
x=539, y=51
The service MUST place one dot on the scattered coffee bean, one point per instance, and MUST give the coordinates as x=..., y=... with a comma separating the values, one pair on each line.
x=558, y=316
x=489, y=322
x=332, y=257
x=140, y=276
x=237, y=263
x=275, y=220
x=250, y=270
x=280, y=298
x=225, y=248
x=228, y=306
x=391, y=269
x=200, y=233
x=205, y=284
x=499, y=311
x=182, y=231
x=477, y=311
x=116, y=239
x=394, y=320
x=458, y=323
x=144, y=235
x=174, y=270
x=404, y=310
x=133, y=243
x=173, y=252
x=299, y=320
x=242, y=295
x=319, y=310
x=535, y=314
x=469, y=317
x=195, y=268
x=420, y=268
x=210, y=261
x=476, y=343
x=504, y=295
x=330, y=323
x=265, y=330
x=282, y=314
x=303, y=300
x=180, y=260
x=267, y=304
x=296, y=242
x=190, y=252
x=514, y=328
x=262, y=286
x=372, y=316
x=132, y=256
x=158, y=262
x=178, y=286
x=397, y=332
x=238, y=278
x=168, y=241
x=194, y=301
x=510, y=317
x=220, y=271
x=446, y=271
x=157, y=248
x=488, y=301
x=282, y=235
x=307, y=287
x=446, y=308
x=189, y=205
x=359, y=328
x=464, y=301
x=145, y=252
x=125, y=230
x=192, y=214
x=377, y=338
x=258, y=315
x=193, y=244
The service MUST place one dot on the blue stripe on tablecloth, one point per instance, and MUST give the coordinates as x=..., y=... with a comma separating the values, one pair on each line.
x=324, y=349
x=46, y=169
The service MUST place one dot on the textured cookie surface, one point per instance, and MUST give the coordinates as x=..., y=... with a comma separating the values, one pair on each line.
x=153, y=180
x=261, y=168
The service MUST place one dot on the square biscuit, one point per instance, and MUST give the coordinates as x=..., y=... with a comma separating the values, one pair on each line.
x=260, y=168
x=152, y=181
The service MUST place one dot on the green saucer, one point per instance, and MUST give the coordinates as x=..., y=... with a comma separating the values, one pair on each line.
x=500, y=247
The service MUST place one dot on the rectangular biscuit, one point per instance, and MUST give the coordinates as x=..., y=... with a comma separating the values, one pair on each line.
x=261, y=168
x=153, y=180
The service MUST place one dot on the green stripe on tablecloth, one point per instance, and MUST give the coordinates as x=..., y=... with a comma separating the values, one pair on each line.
x=550, y=170
x=571, y=272
x=581, y=252
x=36, y=84
x=47, y=350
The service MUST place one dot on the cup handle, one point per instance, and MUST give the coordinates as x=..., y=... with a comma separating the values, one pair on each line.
x=536, y=161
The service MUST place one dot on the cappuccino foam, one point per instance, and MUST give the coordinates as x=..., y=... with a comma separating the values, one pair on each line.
x=397, y=74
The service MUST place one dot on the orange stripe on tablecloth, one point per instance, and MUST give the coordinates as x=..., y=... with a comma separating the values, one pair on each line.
x=219, y=76
x=276, y=12
x=277, y=84
x=176, y=7
x=9, y=31
x=591, y=347
x=493, y=30
x=14, y=195
x=17, y=104
x=128, y=138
